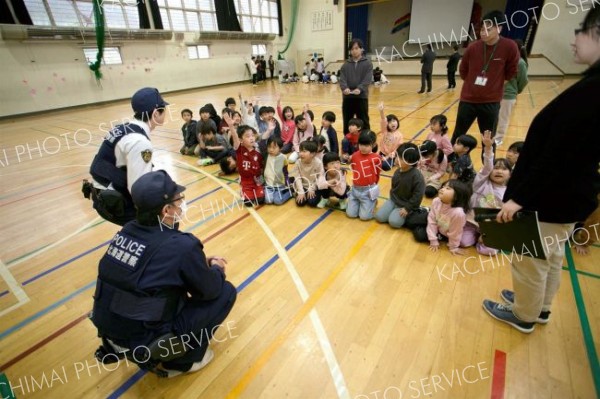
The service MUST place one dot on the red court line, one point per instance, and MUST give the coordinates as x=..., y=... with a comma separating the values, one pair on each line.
x=72, y=324
x=499, y=376
x=43, y=342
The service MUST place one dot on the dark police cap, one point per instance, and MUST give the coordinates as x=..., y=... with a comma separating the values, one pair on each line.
x=147, y=100
x=153, y=190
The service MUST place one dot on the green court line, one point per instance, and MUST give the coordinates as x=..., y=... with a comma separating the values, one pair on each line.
x=585, y=323
x=596, y=245
x=583, y=273
x=5, y=387
x=531, y=97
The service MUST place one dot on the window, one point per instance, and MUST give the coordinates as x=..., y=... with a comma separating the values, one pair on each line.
x=188, y=15
x=258, y=16
x=111, y=56
x=122, y=14
x=198, y=52
x=259, y=49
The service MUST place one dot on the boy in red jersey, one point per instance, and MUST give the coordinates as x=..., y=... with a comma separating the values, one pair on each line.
x=249, y=163
x=366, y=166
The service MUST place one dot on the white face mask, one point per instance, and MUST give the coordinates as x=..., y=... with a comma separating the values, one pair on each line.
x=184, y=208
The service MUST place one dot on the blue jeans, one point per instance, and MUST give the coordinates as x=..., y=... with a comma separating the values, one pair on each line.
x=277, y=195
x=390, y=213
x=359, y=203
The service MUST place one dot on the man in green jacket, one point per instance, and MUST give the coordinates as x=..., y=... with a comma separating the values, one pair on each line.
x=511, y=89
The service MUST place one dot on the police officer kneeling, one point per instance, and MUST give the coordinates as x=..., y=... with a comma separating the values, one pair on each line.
x=124, y=156
x=155, y=285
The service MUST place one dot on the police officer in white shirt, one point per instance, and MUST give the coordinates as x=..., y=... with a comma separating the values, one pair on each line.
x=124, y=156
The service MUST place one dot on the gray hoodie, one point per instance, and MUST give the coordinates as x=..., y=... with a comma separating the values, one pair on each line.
x=357, y=75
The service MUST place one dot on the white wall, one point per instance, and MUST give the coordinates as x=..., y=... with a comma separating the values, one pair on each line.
x=41, y=76
x=331, y=42
x=47, y=76
x=555, y=32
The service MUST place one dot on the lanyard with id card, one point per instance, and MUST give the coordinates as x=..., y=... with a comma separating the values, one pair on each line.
x=481, y=79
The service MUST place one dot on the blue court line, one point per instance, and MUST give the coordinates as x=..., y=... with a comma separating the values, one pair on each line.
x=425, y=128
x=128, y=384
x=65, y=263
x=80, y=290
x=42, y=312
x=137, y=376
x=275, y=257
x=588, y=337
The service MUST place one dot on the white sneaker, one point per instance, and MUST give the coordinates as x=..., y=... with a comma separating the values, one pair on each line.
x=208, y=356
x=498, y=141
x=205, y=161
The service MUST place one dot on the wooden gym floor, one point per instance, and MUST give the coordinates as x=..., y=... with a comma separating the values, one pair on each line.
x=327, y=307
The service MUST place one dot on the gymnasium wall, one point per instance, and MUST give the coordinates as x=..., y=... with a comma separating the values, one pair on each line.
x=381, y=23
x=46, y=75
x=555, y=32
x=41, y=76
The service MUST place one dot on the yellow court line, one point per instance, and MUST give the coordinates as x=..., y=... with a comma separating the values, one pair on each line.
x=307, y=307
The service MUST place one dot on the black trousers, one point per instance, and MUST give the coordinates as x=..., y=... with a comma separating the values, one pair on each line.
x=425, y=79
x=201, y=319
x=351, y=106
x=451, y=79
x=486, y=115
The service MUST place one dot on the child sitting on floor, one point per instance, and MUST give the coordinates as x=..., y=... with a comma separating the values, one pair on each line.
x=333, y=182
x=408, y=187
x=306, y=172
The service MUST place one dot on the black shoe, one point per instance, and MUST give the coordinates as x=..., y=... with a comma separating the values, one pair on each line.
x=421, y=91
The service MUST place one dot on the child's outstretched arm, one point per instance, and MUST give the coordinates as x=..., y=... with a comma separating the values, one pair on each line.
x=243, y=109
x=488, y=160
x=234, y=136
x=382, y=118
x=310, y=130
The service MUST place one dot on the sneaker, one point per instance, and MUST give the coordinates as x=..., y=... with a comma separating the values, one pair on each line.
x=505, y=314
x=323, y=203
x=483, y=250
x=498, y=141
x=421, y=91
x=509, y=297
x=343, y=204
x=205, y=161
x=208, y=356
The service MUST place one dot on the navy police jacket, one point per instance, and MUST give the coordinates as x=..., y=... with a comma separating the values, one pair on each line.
x=145, y=277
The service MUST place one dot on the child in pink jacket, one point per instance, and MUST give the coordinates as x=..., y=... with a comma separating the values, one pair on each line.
x=447, y=217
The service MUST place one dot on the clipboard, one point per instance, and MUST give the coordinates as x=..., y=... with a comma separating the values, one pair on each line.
x=521, y=236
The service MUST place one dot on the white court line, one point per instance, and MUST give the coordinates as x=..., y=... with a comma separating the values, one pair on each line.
x=15, y=287
x=334, y=367
x=44, y=249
